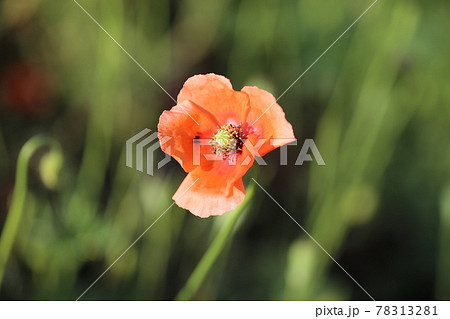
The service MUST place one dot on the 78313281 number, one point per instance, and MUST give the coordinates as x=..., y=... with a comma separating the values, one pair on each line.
x=407, y=310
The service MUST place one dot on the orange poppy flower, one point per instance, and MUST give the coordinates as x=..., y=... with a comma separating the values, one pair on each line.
x=234, y=125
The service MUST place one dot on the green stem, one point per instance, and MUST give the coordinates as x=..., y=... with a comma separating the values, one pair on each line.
x=19, y=196
x=197, y=277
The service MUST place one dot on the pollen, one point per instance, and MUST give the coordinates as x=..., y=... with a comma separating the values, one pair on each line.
x=227, y=140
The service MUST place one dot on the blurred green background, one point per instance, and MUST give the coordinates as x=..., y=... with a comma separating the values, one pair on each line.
x=377, y=106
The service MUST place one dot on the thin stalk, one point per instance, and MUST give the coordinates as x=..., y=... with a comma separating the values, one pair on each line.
x=197, y=277
x=19, y=196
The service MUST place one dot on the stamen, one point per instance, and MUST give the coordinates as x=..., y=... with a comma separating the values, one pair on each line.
x=227, y=140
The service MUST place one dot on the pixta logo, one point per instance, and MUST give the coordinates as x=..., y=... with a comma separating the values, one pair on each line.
x=143, y=145
x=148, y=144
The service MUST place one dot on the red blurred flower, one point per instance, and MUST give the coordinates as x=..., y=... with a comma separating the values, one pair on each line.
x=25, y=88
x=208, y=108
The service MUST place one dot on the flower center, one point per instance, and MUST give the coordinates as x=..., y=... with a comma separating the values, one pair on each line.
x=227, y=140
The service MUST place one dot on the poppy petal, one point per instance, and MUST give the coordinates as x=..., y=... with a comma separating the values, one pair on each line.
x=267, y=120
x=218, y=187
x=206, y=197
x=216, y=95
x=179, y=127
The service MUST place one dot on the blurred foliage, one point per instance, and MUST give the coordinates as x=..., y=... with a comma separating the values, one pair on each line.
x=377, y=106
